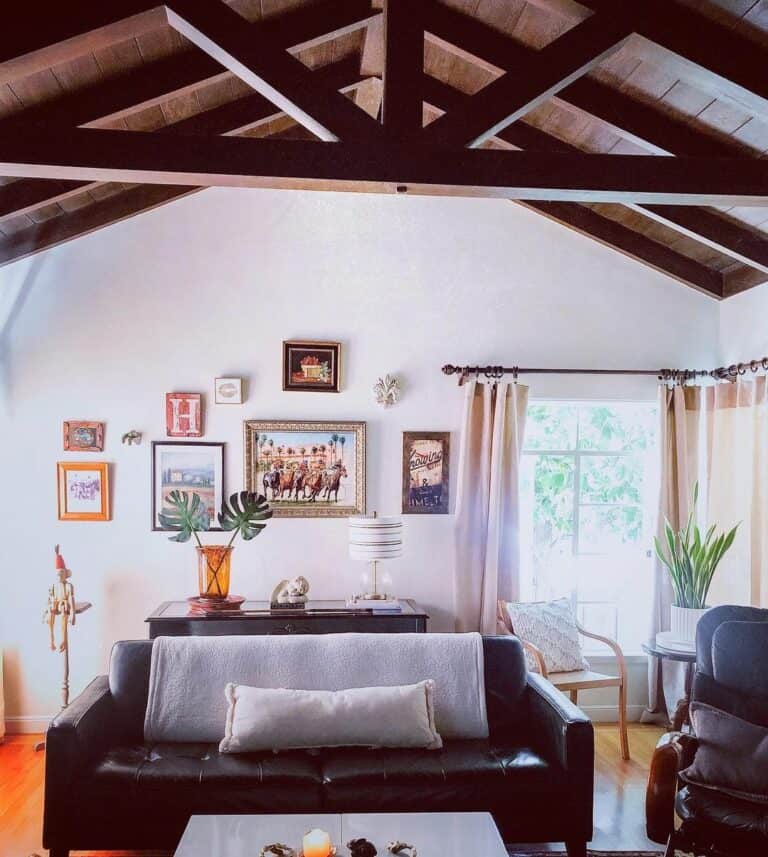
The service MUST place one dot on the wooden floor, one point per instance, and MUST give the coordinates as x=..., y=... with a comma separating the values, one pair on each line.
x=619, y=792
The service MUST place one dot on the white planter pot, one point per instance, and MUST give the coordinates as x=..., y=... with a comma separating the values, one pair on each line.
x=684, y=621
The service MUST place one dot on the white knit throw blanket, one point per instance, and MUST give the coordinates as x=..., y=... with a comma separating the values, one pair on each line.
x=186, y=686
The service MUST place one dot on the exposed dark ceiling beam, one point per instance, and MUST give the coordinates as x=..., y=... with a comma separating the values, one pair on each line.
x=127, y=156
x=701, y=224
x=402, y=106
x=264, y=66
x=25, y=195
x=524, y=86
x=633, y=244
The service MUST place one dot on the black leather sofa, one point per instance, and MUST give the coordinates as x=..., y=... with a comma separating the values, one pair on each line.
x=106, y=789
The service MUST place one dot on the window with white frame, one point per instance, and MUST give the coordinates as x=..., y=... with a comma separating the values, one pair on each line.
x=589, y=493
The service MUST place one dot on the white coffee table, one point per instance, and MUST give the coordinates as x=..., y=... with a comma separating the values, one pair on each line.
x=435, y=834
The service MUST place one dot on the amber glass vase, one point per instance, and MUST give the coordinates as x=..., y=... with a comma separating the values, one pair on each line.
x=213, y=569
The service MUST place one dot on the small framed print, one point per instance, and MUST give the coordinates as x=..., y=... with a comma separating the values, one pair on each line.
x=197, y=468
x=312, y=366
x=83, y=490
x=80, y=436
x=183, y=414
x=228, y=391
x=426, y=456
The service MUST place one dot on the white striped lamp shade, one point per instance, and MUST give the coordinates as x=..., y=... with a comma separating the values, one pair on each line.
x=372, y=539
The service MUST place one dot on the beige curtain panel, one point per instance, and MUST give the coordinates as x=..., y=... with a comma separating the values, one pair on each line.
x=487, y=503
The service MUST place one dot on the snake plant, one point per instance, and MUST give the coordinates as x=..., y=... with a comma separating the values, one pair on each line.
x=691, y=558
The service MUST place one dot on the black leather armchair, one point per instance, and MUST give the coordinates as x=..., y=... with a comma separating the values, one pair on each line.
x=732, y=675
x=107, y=789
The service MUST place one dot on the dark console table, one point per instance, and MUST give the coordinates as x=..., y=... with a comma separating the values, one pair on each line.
x=173, y=619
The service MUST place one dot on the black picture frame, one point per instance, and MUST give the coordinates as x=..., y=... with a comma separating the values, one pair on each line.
x=327, y=354
x=188, y=447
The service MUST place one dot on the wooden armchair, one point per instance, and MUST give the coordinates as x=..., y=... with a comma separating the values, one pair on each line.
x=573, y=682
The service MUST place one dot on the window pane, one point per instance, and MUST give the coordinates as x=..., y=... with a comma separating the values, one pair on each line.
x=612, y=479
x=616, y=427
x=551, y=426
x=609, y=529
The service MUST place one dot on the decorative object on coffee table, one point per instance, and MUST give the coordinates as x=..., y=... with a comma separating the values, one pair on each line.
x=277, y=849
x=361, y=848
x=83, y=490
x=387, y=391
x=373, y=539
x=312, y=366
x=197, y=466
x=307, y=469
x=400, y=848
x=290, y=594
x=183, y=414
x=691, y=559
x=80, y=436
x=245, y=514
x=426, y=457
x=317, y=843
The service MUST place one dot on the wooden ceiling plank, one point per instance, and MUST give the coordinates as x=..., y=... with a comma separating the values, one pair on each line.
x=94, y=154
x=271, y=71
x=706, y=51
x=524, y=86
x=630, y=243
x=403, y=68
x=31, y=41
x=24, y=195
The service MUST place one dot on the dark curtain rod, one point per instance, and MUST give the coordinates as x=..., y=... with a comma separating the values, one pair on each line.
x=721, y=373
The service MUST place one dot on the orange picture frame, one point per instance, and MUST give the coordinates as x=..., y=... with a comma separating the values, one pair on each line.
x=83, y=490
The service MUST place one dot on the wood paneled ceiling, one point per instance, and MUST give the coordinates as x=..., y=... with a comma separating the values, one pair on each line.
x=640, y=125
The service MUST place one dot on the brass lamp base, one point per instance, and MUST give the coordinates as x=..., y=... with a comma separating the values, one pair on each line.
x=377, y=596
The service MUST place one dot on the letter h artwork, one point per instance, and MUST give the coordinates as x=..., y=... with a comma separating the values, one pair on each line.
x=183, y=415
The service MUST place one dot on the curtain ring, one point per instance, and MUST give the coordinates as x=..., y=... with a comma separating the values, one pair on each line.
x=741, y=369
x=754, y=365
x=764, y=363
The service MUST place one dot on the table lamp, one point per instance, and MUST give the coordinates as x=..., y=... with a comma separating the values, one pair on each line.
x=373, y=539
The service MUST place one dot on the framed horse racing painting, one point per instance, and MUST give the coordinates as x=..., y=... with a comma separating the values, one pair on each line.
x=307, y=469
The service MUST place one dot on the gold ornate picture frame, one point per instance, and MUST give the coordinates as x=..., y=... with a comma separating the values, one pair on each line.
x=311, y=469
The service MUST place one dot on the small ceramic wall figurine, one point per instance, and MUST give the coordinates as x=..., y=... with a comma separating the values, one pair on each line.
x=387, y=391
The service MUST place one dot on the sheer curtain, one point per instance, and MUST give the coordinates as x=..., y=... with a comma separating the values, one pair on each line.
x=718, y=436
x=487, y=503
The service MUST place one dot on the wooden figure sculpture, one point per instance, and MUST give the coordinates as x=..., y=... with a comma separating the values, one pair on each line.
x=62, y=610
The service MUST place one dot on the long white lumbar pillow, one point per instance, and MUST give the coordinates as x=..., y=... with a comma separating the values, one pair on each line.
x=261, y=718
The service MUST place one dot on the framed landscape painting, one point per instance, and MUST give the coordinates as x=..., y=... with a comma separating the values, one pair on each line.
x=307, y=469
x=83, y=490
x=312, y=366
x=426, y=456
x=193, y=467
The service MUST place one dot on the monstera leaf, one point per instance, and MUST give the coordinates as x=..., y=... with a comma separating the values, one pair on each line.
x=244, y=513
x=187, y=514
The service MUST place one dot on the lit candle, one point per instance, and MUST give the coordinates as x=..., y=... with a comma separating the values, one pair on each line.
x=316, y=843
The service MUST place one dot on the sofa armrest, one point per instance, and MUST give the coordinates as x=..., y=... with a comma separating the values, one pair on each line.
x=75, y=736
x=563, y=734
x=673, y=753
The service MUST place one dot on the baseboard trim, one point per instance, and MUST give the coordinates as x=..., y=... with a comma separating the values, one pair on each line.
x=610, y=713
x=27, y=724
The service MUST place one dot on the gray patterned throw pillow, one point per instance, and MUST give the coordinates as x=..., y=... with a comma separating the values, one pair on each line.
x=551, y=627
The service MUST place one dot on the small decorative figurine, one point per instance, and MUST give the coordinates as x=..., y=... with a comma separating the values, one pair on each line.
x=387, y=391
x=290, y=594
x=361, y=848
x=277, y=849
x=131, y=437
x=62, y=607
x=402, y=848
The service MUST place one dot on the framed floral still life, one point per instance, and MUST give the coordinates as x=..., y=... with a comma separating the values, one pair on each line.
x=81, y=436
x=312, y=366
x=307, y=469
x=193, y=467
x=426, y=457
x=83, y=490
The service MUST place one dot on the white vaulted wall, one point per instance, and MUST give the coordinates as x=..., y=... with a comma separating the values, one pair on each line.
x=103, y=327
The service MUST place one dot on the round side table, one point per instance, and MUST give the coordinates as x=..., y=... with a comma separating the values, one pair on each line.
x=680, y=716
